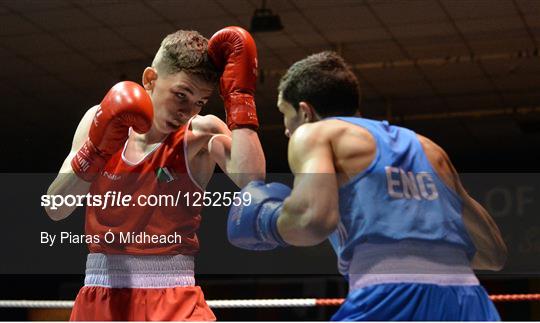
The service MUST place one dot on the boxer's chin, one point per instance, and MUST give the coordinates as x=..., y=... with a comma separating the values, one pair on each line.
x=164, y=128
x=172, y=126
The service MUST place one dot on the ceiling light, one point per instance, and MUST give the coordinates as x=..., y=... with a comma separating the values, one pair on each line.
x=265, y=20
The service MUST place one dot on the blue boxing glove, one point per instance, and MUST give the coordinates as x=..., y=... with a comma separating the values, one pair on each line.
x=254, y=226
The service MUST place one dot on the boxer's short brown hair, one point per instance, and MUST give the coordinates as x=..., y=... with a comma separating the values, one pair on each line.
x=325, y=81
x=185, y=50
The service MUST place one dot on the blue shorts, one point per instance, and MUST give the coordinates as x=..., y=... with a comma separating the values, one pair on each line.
x=417, y=302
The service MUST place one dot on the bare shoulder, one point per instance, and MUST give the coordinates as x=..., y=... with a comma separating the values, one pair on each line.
x=202, y=130
x=435, y=154
x=310, y=150
x=348, y=140
x=209, y=124
x=340, y=127
x=439, y=160
x=314, y=141
x=332, y=132
x=429, y=144
x=319, y=131
x=304, y=142
x=308, y=136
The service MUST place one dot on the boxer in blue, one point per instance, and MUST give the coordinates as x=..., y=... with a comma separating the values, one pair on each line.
x=406, y=233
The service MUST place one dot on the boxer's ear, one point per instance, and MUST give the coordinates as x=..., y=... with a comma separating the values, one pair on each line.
x=149, y=78
x=307, y=112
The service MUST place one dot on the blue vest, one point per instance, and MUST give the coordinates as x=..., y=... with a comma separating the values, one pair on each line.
x=399, y=196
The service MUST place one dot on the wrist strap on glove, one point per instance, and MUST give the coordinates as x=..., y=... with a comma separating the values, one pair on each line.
x=88, y=162
x=241, y=111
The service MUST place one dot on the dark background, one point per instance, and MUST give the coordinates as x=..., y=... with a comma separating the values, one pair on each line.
x=464, y=73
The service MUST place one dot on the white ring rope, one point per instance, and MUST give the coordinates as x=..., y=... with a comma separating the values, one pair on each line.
x=35, y=304
x=254, y=303
x=243, y=303
x=233, y=303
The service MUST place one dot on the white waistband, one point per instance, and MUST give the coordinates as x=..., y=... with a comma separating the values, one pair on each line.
x=129, y=271
x=409, y=262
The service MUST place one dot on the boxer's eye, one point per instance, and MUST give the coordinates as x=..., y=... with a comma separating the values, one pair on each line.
x=181, y=95
x=200, y=103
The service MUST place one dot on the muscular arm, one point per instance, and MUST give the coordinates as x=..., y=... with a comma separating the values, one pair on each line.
x=310, y=214
x=491, y=250
x=66, y=182
x=238, y=152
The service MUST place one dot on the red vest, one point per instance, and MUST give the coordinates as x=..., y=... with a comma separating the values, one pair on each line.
x=162, y=174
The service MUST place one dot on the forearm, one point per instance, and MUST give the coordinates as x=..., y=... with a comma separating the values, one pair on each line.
x=310, y=214
x=297, y=229
x=247, y=162
x=66, y=183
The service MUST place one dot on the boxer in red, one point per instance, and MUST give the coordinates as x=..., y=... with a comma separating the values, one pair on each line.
x=150, y=140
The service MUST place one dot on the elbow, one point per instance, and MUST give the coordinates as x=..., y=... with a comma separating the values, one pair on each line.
x=494, y=261
x=56, y=214
x=492, y=265
x=500, y=258
x=304, y=225
x=498, y=266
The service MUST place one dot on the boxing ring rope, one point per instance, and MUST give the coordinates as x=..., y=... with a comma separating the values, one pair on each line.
x=254, y=303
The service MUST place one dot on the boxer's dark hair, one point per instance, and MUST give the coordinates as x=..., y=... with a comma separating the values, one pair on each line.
x=186, y=50
x=325, y=81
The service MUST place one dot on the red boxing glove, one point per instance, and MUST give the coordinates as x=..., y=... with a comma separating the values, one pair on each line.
x=126, y=105
x=232, y=49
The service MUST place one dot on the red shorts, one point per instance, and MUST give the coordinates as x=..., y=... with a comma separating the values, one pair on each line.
x=186, y=303
x=140, y=288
